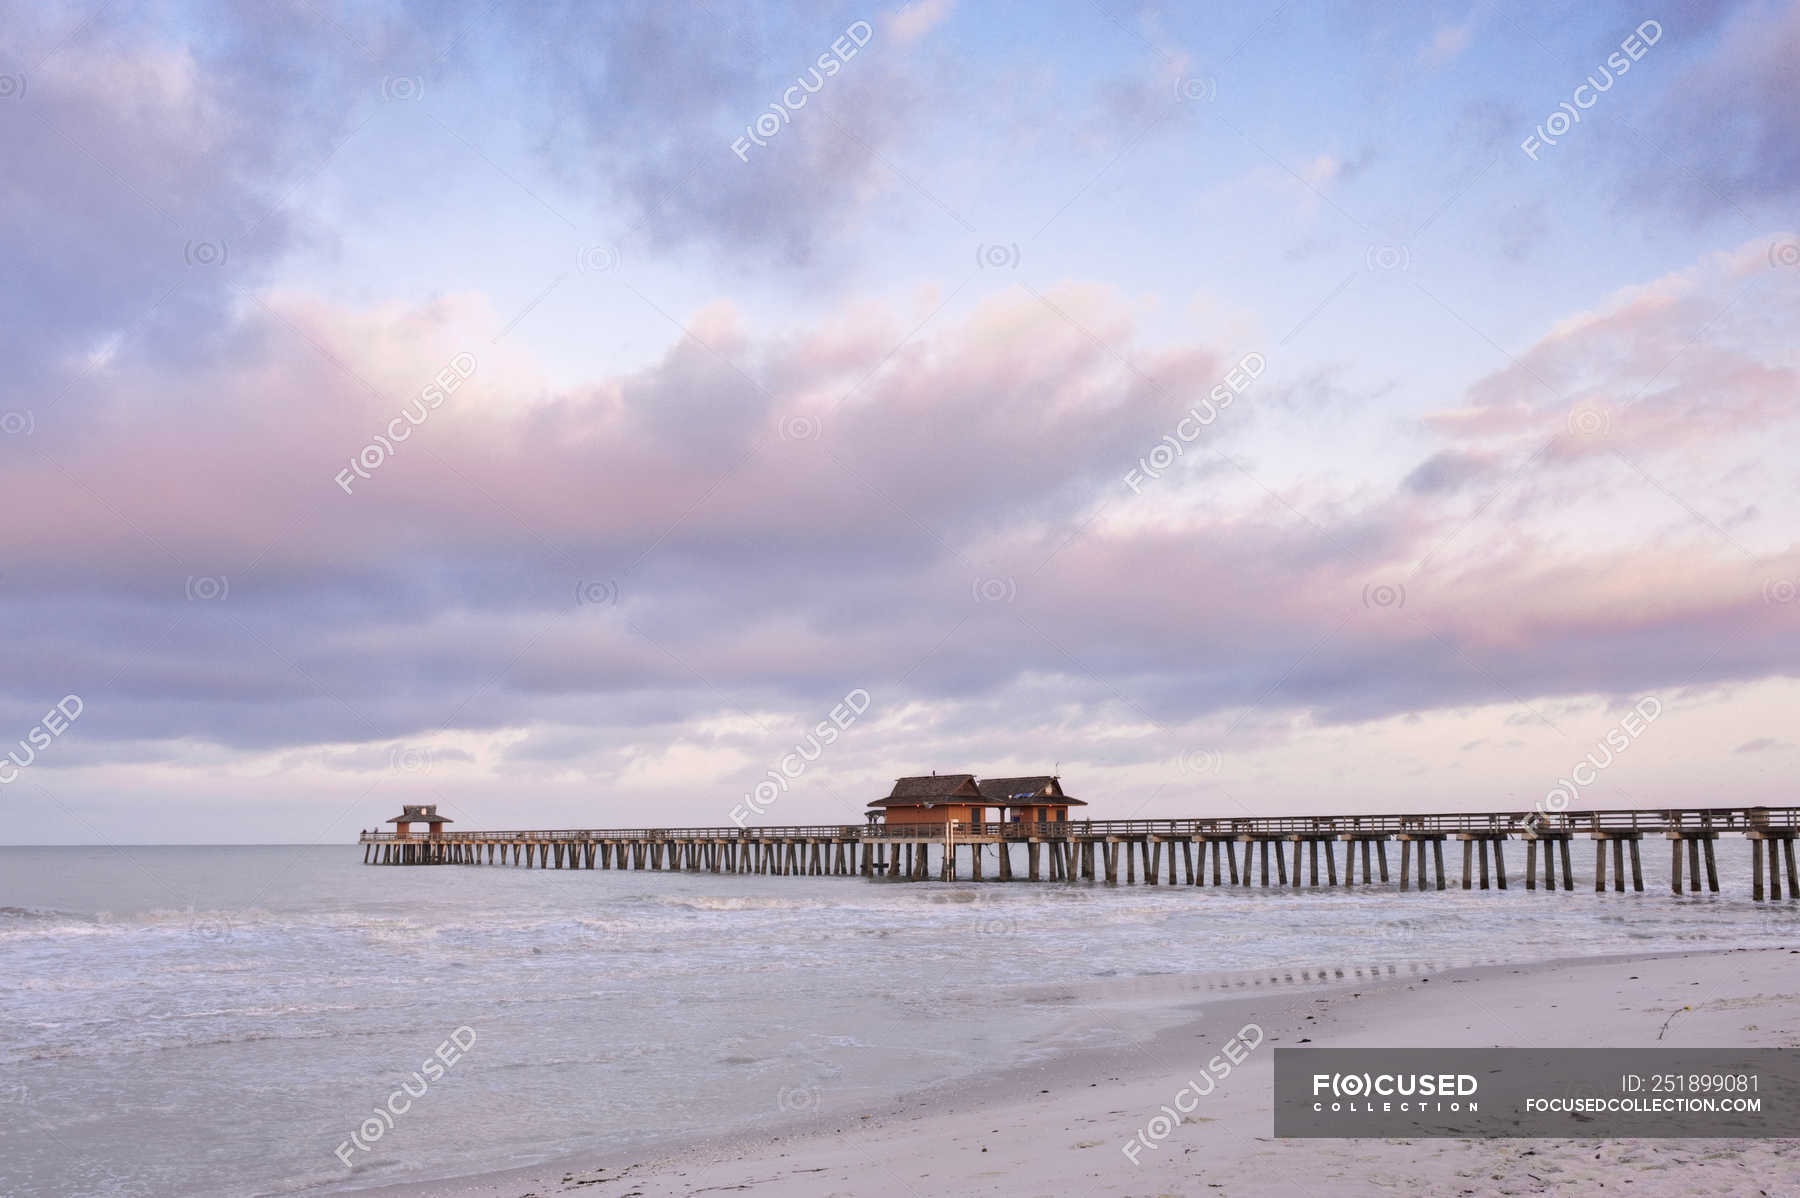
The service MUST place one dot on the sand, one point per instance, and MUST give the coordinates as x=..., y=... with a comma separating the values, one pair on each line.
x=1059, y=1129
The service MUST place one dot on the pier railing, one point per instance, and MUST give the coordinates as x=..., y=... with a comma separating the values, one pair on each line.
x=1724, y=819
x=583, y=835
x=981, y=829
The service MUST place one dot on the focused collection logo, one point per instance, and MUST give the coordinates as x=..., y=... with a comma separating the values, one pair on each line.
x=1388, y=1092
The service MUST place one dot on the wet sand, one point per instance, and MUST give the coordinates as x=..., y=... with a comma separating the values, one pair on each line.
x=1060, y=1128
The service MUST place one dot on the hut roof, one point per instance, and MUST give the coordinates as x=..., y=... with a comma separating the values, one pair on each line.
x=929, y=789
x=1012, y=790
x=426, y=814
x=933, y=789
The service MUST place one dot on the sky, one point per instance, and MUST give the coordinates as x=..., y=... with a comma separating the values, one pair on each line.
x=561, y=413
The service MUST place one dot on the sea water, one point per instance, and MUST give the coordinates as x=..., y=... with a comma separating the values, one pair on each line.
x=204, y=1021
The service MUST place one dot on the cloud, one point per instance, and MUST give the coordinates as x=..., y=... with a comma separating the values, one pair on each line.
x=915, y=20
x=1728, y=117
x=1762, y=744
x=710, y=536
x=150, y=171
x=491, y=515
x=1660, y=367
x=1447, y=42
x=1449, y=471
x=651, y=99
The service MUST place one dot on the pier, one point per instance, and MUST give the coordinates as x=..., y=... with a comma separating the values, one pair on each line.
x=1175, y=852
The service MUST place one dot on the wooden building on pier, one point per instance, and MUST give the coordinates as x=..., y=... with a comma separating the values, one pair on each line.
x=934, y=801
x=931, y=801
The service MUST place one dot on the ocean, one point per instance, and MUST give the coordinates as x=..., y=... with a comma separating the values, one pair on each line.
x=203, y=1021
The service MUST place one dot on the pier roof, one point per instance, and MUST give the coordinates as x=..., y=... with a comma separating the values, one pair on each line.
x=426, y=814
x=930, y=788
x=1012, y=790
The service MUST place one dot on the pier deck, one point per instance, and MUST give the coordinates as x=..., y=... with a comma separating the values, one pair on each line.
x=1090, y=850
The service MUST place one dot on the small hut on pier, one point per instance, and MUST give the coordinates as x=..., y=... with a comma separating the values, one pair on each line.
x=931, y=801
x=423, y=814
x=935, y=800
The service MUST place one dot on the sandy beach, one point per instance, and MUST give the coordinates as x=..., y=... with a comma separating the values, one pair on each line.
x=1061, y=1128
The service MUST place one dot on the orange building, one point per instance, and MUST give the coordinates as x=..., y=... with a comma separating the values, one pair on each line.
x=932, y=801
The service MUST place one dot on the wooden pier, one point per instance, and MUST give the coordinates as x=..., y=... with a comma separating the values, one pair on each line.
x=1158, y=852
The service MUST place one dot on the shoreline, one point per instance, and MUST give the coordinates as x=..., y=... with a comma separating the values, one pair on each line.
x=1026, y=1129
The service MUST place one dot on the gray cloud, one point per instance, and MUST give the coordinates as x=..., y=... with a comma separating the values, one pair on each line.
x=650, y=98
x=148, y=169
x=1449, y=470
x=1728, y=121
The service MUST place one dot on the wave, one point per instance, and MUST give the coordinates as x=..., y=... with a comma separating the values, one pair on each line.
x=42, y=913
x=745, y=902
x=39, y=923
